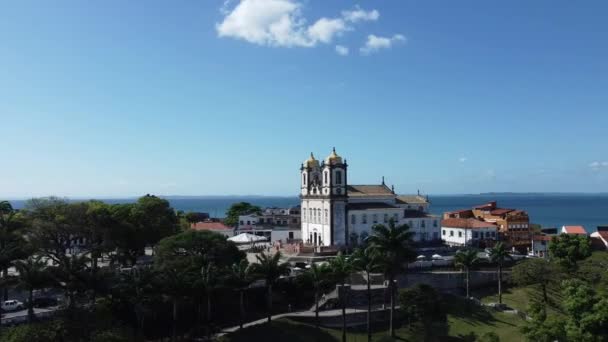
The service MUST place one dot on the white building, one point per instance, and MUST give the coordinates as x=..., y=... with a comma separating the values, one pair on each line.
x=248, y=221
x=332, y=209
x=540, y=245
x=467, y=232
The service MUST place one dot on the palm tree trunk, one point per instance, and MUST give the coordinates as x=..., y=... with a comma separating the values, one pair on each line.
x=209, y=308
x=242, y=307
x=317, y=308
x=5, y=290
x=392, y=317
x=30, y=306
x=174, y=335
x=468, y=275
x=499, y=283
x=343, y=314
x=269, y=305
x=369, y=309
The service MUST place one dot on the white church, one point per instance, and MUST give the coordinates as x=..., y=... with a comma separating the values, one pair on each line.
x=333, y=209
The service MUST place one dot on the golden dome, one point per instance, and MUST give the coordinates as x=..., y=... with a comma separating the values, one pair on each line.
x=333, y=158
x=311, y=161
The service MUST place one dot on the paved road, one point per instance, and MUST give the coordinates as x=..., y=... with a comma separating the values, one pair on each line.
x=15, y=317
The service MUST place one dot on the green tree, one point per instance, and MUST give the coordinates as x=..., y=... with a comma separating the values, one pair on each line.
x=535, y=271
x=422, y=303
x=466, y=260
x=539, y=327
x=341, y=269
x=569, y=249
x=240, y=208
x=367, y=260
x=319, y=277
x=138, y=289
x=394, y=247
x=193, y=249
x=240, y=278
x=11, y=241
x=498, y=255
x=175, y=284
x=32, y=275
x=269, y=268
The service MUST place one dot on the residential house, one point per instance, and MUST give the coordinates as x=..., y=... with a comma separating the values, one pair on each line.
x=468, y=232
x=574, y=230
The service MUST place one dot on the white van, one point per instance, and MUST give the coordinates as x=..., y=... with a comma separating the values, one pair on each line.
x=12, y=305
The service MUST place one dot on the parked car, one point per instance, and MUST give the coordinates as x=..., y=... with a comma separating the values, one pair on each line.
x=45, y=302
x=12, y=305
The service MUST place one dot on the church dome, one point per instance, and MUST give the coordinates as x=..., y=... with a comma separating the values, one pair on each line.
x=333, y=158
x=311, y=161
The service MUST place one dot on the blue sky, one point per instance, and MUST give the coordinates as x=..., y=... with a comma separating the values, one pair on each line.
x=121, y=98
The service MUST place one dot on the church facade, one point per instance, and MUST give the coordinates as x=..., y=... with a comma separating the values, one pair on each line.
x=334, y=210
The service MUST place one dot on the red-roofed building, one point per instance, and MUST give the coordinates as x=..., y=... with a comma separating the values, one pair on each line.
x=217, y=227
x=513, y=225
x=467, y=232
x=599, y=239
x=574, y=230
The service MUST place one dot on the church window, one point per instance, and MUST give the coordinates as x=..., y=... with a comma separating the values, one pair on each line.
x=338, y=177
x=375, y=218
x=325, y=177
x=443, y=231
x=460, y=234
x=423, y=224
x=435, y=223
x=385, y=218
x=475, y=236
x=353, y=219
x=326, y=216
x=304, y=179
x=451, y=233
x=364, y=219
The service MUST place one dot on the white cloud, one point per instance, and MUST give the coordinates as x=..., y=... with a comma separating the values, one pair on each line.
x=597, y=165
x=342, y=50
x=325, y=29
x=462, y=159
x=280, y=23
x=375, y=43
x=359, y=14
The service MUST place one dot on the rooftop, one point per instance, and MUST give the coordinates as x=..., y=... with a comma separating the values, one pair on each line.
x=576, y=230
x=411, y=199
x=368, y=190
x=209, y=226
x=468, y=223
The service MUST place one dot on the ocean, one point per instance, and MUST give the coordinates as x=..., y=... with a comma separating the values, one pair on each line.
x=548, y=210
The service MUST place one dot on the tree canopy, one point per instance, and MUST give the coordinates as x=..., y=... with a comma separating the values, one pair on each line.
x=240, y=208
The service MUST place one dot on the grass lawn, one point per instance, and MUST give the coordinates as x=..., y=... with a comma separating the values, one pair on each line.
x=461, y=322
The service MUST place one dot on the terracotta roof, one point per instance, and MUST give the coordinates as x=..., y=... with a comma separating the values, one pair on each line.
x=489, y=205
x=501, y=211
x=577, y=230
x=469, y=223
x=411, y=199
x=602, y=233
x=209, y=226
x=459, y=211
x=372, y=205
x=368, y=190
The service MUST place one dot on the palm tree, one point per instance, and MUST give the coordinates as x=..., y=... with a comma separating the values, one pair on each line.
x=367, y=260
x=394, y=247
x=270, y=269
x=466, y=260
x=318, y=275
x=175, y=285
x=498, y=255
x=208, y=282
x=10, y=242
x=341, y=268
x=33, y=275
x=137, y=288
x=240, y=277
